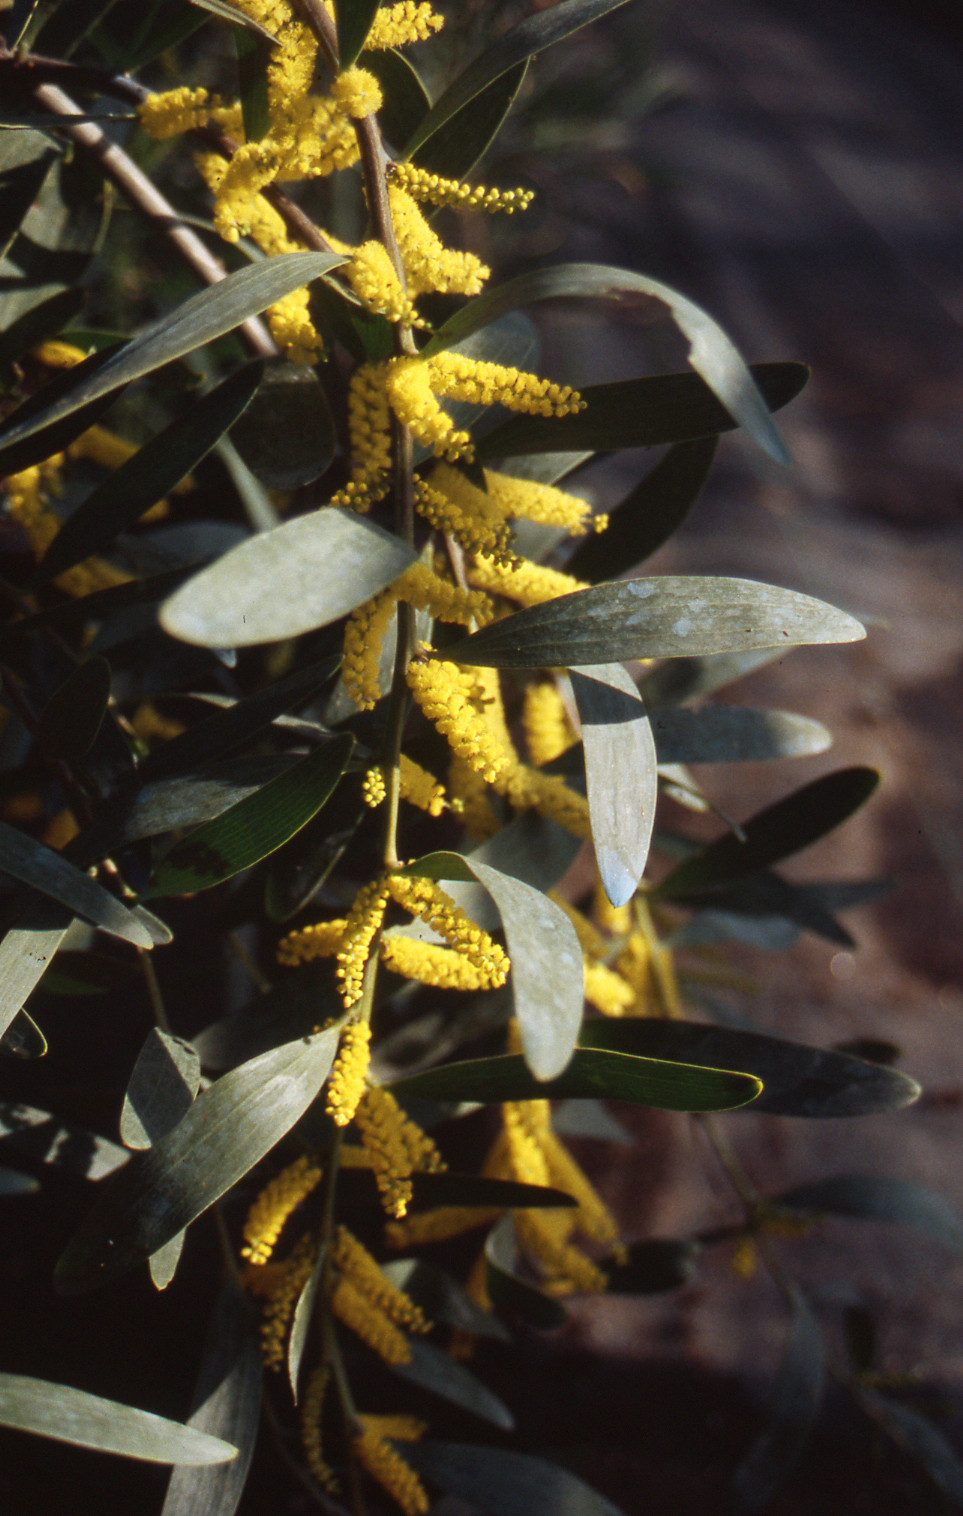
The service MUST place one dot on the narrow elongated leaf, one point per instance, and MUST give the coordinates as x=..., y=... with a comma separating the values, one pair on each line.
x=13, y=1183
x=302, y=575
x=649, y=514
x=682, y=679
x=354, y=18
x=51, y=439
x=433, y=1369
x=455, y=148
x=775, y=833
x=68, y=1415
x=546, y=976
x=763, y=907
x=123, y=497
x=532, y=848
x=205, y=316
x=485, y=1192
x=406, y=101
x=669, y=1086
x=253, y=57
x=879, y=1197
x=227, y=1130
x=301, y=1321
x=48, y=872
x=23, y=1038
x=26, y=159
x=917, y=1435
x=665, y=617
x=501, y=1483
x=712, y=354
x=25, y=952
x=638, y=413
x=70, y=721
x=793, y=1407
x=620, y=774
x=652, y=1266
x=227, y=1404
x=163, y=1084
x=229, y=12
x=735, y=733
x=42, y=321
x=530, y=37
x=253, y=828
x=797, y=1080
x=508, y=1291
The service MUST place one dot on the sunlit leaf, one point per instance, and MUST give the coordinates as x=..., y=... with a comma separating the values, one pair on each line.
x=879, y=1197
x=162, y=1087
x=532, y=848
x=735, y=733
x=793, y=1406
x=455, y=148
x=32, y=863
x=508, y=1291
x=620, y=774
x=504, y=1483
x=301, y=1321
x=68, y=724
x=433, y=1369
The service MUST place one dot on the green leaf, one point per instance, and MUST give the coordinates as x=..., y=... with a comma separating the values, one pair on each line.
x=442, y=1298
x=794, y=1403
x=797, y=1080
x=503, y=1483
x=211, y=313
x=620, y=774
x=254, y=54
x=227, y=1404
x=458, y=144
x=68, y=1415
x=406, y=101
x=254, y=827
x=288, y=435
x=328, y=562
x=546, y=976
x=669, y=1086
x=301, y=1321
x=123, y=497
x=735, y=734
x=662, y=617
x=33, y=863
x=433, y=1369
x=917, y=1435
x=524, y=41
x=42, y=321
x=68, y=724
x=508, y=1291
x=287, y=1011
x=649, y=514
x=58, y=436
x=879, y=1197
x=233, y=13
x=162, y=1087
x=175, y=803
x=354, y=18
x=638, y=413
x=63, y=31
x=531, y=848
x=23, y=1038
x=26, y=159
x=775, y=833
x=227, y=1130
x=652, y=1266
x=484, y=1192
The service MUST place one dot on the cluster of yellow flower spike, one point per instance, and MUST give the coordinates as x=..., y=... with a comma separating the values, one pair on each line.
x=398, y=1148
x=372, y=276
x=361, y=928
x=346, y=1085
x=425, y=898
x=358, y=1265
x=435, y=190
x=449, y=502
x=295, y=1274
x=276, y=1202
x=375, y=1451
x=311, y=1411
x=546, y=723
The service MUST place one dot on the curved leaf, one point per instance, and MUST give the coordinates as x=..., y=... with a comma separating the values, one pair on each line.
x=442, y=1298
x=794, y=1403
x=68, y=1415
x=68, y=724
x=23, y=1038
x=502, y=1483
x=434, y=1369
x=288, y=436
x=511, y=1293
x=26, y=950
x=734, y=734
x=354, y=18
x=879, y=1197
x=291, y=580
x=455, y=148
x=620, y=774
x=26, y=159
x=161, y=1089
x=406, y=101
x=665, y=617
x=227, y=1130
x=33, y=863
x=918, y=1436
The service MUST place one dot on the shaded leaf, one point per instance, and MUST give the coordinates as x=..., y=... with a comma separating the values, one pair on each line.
x=793, y=1407
x=670, y=1086
x=162, y=1087
x=254, y=54
x=68, y=1415
x=26, y=159
x=502, y=1483
x=54, y=438
x=879, y=1197
x=354, y=18
x=86, y=973
x=33, y=863
x=735, y=733
x=485, y=1192
x=25, y=952
x=288, y=435
x=775, y=833
x=649, y=514
x=23, y=1038
x=68, y=724
x=69, y=25
x=620, y=774
x=296, y=1003
x=797, y=1080
x=45, y=1138
x=917, y=1435
x=763, y=909
x=508, y=1291
x=682, y=679
x=143, y=479
x=329, y=562
x=662, y=617
x=47, y=319
x=229, y=12
x=442, y=1298
x=651, y=1266
x=254, y=827
x=433, y=1369
x=532, y=848
x=301, y=1321
x=227, y=1130
x=455, y=148
x=12, y=1183
x=406, y=101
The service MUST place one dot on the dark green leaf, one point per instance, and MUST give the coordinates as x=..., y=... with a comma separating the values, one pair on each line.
x=442, y=1298
x=620, y=774
x=45, y=320
x=59, y=233
x=735, y=733
x=455, y=148
x=33, y=863
x=227, y=1130
x=354, y=18
x=164, y=27
x=793, y=1407
x=254, y=54
x=68, y=724
x=123, y=497
x=763, y=909
x=775, y=833
x=879, y=1197
x=254, y=827
x=524, y=41
x=63, y=32
x=301, y=1321
x=229, y=12
x=797, y=1080
x=433, y=1369
x=649, y=514
x=669, y=1086
x=508, y=1291
x=501, y=1483
x=653, y=1265
x=87, y=1421
x=287, y=1011
x=210, y=314
x=44, y=1138
x=682, y=679
x=918, y=1436
x=26, y=159
x=288, y=435
x=85, y=973
x=486, y=1193
x=328, y=562
x=665, y=617
x=227, y=1404
x=638, y=413
x=59, y=435
x=23, y=1038
x=406, y=101
x=163, y=1084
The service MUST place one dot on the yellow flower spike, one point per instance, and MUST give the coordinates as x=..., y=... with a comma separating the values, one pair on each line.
x=410, y=395
x=531, y=789
x=354, y=1261
x=451, y=503
x=370, y=1323
x=277, y=1201
x=421, y=587
x=529, y=583
x=396, y=25
x=26, y=497
x=539, y=502
x=385, y=1464
x=420, y=788
x=360, y=660
x=545, y=722
x=429, y=963
x=398, y=1147
x=745, y=1258
x=607, y=990
x=373, y=788
x=525, y=1153
x=280, y=1307
x=469, y=799
x=321, y=940
x=447, y=695
x=425, y=898
x=358, y=93
x=371, y=275
x=437, y=1225
x=346, y=1085
x=175, y=111
x=593, y=1217
x=369, y=430
x=56, y=353
x=363, y=923
x=397, y=1426
x=428, y=264
x=435, y=190
x=568, y=1271
x=311, y=1411
x=462, y=378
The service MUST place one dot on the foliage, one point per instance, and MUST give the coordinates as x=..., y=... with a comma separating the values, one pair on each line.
x=274, y=661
